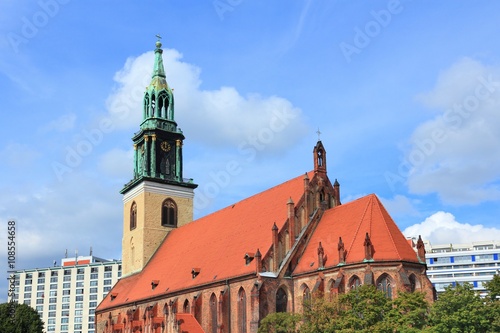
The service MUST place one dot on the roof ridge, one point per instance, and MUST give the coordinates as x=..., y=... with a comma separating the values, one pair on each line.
x=387, y=227
x=359, y=226
x=253, y=196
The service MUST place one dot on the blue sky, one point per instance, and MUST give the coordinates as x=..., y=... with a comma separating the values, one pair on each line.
x=405, y=93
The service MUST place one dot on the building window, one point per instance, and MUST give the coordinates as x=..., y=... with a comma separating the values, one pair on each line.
x=306, y=296
x=384, y=284
x=27, y=288
x=79, y=298
x=107, y=282
x=213, y=314
x=169, y=213
x=354, y=282
x=186, y=306
x=40, y=287
x=107, y=275
x=133, y=216
x=93, y=297
x=53, y=279
x=281, y=300
x=80, y=271
x=53, y=286
x=242, y=311
x=53, y=300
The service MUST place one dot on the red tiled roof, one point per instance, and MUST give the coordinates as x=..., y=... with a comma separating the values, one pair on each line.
x=215, y=244
x=352, y=221
x=188, y=324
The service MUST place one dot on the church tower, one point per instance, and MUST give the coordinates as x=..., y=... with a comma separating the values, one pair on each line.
x=158, y=198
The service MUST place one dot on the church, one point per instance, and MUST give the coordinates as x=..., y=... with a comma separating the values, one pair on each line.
x=267, y=253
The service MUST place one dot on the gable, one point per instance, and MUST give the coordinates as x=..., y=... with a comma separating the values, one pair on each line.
x=352, y=221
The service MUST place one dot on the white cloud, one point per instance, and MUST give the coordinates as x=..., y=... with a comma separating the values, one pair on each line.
x=64, y=123
x=221, y=117
x=442, y=228
x=457, y=154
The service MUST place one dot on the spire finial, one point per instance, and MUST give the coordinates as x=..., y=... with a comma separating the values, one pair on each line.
x=158, y=41
x=319, y=134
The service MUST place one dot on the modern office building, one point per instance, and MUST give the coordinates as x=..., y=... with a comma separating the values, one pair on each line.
x=475, y=263
x=66, y=296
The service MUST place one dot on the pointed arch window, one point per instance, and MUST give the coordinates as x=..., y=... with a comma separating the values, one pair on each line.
x=306, y=296
x=185, y=308
x=385, y=285
x=320, y=157
x=354, y=282
x=281, y=300
x=152, y=108
x=169, y=213
x=414, y=285
x=213, y=314
x=242, y=311
x=133, y=216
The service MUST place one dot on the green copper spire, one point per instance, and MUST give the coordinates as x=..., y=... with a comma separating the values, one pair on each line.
x=158, y=79
x=158, y=98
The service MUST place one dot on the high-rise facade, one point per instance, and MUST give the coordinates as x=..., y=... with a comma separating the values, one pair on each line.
x=66, y=296
x=450, y=264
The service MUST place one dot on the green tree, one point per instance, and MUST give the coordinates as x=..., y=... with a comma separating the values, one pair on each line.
x=320, y=315
x=409, y=313
x=279, y=322
x=19, y=318
x=493, y=288
x=459, y=309
x=362, y=310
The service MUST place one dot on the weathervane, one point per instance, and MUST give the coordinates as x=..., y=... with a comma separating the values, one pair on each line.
x=158, y=36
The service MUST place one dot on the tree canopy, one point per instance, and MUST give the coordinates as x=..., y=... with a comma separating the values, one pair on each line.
x=19, y=318
x=365, y=309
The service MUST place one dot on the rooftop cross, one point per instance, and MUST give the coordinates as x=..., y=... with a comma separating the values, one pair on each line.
x=319, y=134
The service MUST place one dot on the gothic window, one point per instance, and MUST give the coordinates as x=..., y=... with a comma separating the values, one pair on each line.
x=169, y=213
x=354, y=282
x=281, y=300
x=213, y=314
x=242, y=311
x=153, y=106
x=320, y=158
x=413, y=283
x=146, y=105
x=306, y=295
x=385, y=285
x=133, y=216
x=185, y=308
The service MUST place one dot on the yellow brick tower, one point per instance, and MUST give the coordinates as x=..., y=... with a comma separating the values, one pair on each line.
x=157, y=199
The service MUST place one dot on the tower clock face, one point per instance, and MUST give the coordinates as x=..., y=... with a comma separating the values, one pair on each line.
x=165, y=146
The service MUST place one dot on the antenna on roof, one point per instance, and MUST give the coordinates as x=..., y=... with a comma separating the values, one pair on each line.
x=55, y=263
x=76, y=257
x=66, y=253
x=90, y=251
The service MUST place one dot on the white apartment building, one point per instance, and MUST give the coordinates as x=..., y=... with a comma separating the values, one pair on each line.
x=66, y=296
x=475, y=263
